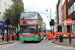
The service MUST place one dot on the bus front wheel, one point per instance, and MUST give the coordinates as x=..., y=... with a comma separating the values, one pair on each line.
x=39, y=38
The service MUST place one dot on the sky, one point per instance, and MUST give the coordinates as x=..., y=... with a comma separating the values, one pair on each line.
x=41, y=6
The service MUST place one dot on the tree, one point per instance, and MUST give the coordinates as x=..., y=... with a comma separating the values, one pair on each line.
x=13, y=12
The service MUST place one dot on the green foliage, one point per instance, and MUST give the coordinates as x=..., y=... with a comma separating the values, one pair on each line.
x=13, y=12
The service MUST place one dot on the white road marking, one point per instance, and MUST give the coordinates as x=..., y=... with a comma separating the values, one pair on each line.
x=8, y=46
x=59, y=46
x=69, y=47
x=65, y=47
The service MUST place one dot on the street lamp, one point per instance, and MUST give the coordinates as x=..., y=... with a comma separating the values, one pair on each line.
x=50, y=13
x=50, y=16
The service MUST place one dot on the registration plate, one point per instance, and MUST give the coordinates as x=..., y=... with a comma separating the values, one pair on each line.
x=28, y=40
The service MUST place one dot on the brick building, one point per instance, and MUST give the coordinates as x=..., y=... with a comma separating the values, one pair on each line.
x=64, y=16
x=71, y=14
x=68, y=12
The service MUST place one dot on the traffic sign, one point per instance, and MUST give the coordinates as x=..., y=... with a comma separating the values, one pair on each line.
x=69, y=22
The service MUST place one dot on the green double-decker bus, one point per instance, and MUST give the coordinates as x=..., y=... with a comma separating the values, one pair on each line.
x=30, y=26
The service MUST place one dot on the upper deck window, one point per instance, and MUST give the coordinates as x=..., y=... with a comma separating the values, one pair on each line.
x=28, y=15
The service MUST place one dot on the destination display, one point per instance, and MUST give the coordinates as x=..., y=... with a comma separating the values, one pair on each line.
x=29, y=22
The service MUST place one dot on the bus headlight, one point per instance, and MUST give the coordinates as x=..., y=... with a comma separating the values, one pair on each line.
x=36, y=36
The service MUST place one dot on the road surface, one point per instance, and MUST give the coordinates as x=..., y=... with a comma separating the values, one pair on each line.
x=43, y=45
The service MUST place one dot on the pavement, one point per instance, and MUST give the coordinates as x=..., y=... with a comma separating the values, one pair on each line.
x=9, y=42
x=65, y=42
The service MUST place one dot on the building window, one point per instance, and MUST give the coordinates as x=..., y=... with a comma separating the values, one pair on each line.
x=73, y=28
x=74, y=6
x=8, y=5
x=71, y=9
x=5, y=5
x=68, y=0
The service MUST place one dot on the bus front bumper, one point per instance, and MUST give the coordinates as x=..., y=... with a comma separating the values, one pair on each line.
x=36, y=38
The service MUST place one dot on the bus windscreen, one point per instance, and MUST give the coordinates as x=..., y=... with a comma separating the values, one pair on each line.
x=28, y=15
x=29, y=29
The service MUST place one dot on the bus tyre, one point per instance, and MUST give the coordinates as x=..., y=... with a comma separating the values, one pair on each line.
x=39, y=38
x=24, y=41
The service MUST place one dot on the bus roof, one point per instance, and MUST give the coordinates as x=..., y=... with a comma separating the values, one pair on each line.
x=29, y=11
